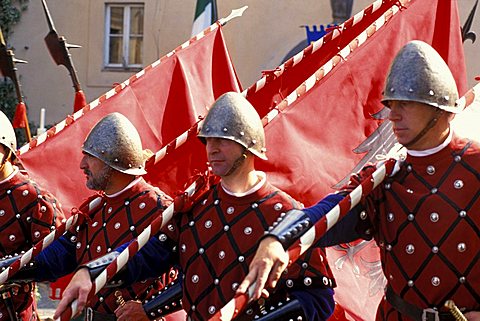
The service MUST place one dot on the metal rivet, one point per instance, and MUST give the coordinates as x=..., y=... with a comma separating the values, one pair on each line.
x=390, y=217
x=230, y=210
x=461, y=247
x=410, y=249
x=458, y=184
x=434, y=217
x=278, y=207
x=435, y=281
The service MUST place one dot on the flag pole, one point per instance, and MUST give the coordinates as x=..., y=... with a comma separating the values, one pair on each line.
x=9, y=69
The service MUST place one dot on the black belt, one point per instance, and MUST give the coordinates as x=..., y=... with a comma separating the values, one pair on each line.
x=92, y=315
x=414, y=312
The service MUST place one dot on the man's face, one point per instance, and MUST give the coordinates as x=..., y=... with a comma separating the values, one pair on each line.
x=409, y=119
x=97, y=172
x=222, y=154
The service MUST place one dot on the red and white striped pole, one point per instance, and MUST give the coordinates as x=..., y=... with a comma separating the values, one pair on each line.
x=42, y=244
x=239, y=302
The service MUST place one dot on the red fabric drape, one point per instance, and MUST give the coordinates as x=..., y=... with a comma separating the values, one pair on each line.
x=164, y=102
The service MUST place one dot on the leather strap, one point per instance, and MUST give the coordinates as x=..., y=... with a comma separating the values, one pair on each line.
x=414, y=312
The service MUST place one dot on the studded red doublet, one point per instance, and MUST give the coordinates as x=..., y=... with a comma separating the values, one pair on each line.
x=218, y=238
x=115, y=221
x=426, y=220
x=27, y=214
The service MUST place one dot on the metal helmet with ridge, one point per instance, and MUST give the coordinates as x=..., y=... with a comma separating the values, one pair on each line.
x=7, y=133
x=232, y=117
x=418, y=73
x=115, y=141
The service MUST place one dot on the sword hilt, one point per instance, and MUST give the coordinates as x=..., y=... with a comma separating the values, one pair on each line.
x=120, y=301
x=455, y=311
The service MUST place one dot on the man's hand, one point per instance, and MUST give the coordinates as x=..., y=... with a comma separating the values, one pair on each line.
x=266, y=267
x=78, y=288
x=473, y=316
x=131, y=311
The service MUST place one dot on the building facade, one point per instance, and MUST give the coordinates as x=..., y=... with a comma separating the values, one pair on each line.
x=119, y=37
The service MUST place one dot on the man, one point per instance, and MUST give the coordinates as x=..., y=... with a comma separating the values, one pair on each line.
x=216, y=238
x=27, y=214
x=113, y=162
x=425, y=217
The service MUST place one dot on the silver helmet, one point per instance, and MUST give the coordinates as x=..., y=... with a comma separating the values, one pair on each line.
x=7, y=134
x=115, y=141
x=233, y=117
x=418, y=73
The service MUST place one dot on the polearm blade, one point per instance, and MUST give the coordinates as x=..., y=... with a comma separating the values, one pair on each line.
x=8, y=69
x=59, y=49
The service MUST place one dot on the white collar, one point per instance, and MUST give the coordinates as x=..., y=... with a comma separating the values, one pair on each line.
x=256, y=187
x=135, y=181
x=431, y=151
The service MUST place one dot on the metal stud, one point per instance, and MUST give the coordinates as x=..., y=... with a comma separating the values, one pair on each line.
x=289, y=283
x=208, y=224
x=204, y=202
x=36, y=234
x=110, y=209
x=230, y=210
x=430, y=169
x=132, y=228
x=216, y=281
x=461, y=247
x=226, y=228
x=434, y=217
x=162, y=237
x=278, y=207
x=462, y=213
x=431, y=92
x=127, y=202
x=2, y=212
x=387, y=186
x=171, y=227
x=195, y=278
x=234, y=286
x=363, y=215
x=99, y=249
x=191, y=223
x=94, y=224
x=388, y=247
x=25, y=193
x=241, y=258
x=411, y=217
x=216, y=202
x=73, y=238
x=12, y=237
x=183, y=247
x=254, y=205
x=43, y=209
x=435, y=249
x=462, y=279
x=211, y=309
x=117, y=226
x=434, y=190
x=17, y=216
x=201, y=250
x=458, y=184
x=304, y=265
x=457, y=158
x=325, y=280
x=435, y=281
x=221, y=255
x=390, y=217
x=410, y=249
x=307, y=281
x=410, y=283
x=79, y=245
x=248, y=230
x=141, y=205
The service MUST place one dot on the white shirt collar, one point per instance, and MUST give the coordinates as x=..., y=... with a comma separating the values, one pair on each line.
x=256, y=187
x=431, y=151
x=135, y=181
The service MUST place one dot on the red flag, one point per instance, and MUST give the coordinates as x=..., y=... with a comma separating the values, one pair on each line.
x=79, y=101
x=20, y=117
x=162, y=101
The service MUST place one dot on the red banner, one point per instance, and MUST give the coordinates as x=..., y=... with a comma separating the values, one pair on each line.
x=162, y=101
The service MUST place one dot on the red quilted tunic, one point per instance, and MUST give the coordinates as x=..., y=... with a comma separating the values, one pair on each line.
x=115, y=221
x=218, y=238
x=426, y=220
x=27, y=214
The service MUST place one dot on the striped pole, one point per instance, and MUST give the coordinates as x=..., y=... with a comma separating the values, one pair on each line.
x=239, y=302
x=199, y=185
x=25, y=258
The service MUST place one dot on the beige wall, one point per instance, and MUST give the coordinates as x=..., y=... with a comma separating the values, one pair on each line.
x=257, y=41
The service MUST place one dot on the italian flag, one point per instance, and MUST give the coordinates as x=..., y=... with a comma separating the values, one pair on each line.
x=205, y=15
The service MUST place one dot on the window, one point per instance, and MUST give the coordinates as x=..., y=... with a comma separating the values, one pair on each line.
x=124, y=35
